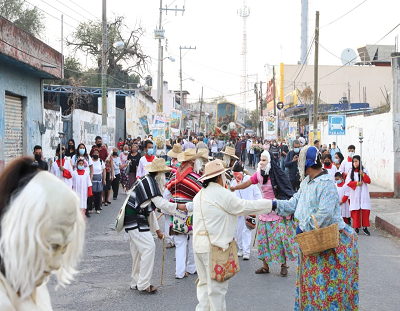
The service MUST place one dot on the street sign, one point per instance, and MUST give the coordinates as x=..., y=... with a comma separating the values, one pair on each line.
x=159, y=33
x=337, y=125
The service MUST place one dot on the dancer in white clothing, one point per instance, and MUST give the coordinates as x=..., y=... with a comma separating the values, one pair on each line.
x=82, y=184
x=243, y=233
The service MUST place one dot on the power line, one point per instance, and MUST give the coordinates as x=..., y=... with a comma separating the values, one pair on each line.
x=343, y=15
x=71, y=9
x=60, y=11
x=85, y=10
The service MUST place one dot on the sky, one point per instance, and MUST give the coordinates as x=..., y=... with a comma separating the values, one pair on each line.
x=216, y=30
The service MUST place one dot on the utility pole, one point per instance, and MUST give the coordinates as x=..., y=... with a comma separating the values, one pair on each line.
x=201, y=108
x=180, y=76
x=315, y=117
x=256, y=92
x=104, y=65
x=261, y=114
x=161, y=98
x=273, y=81
x=348, y=92
x=62, y=46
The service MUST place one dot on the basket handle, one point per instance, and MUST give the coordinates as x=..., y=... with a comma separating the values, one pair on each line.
x=315, y=221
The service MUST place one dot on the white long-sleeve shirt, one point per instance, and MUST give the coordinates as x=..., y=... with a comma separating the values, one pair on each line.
x=250, y=193
x=220, y=208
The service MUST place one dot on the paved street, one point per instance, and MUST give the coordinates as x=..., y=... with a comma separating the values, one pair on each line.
x=103, y=282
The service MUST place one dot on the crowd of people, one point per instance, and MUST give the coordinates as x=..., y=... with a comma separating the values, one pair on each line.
x=208, y=198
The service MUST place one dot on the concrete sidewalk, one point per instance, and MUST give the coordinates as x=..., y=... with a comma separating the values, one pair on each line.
x=378, y=192
x=386, y=215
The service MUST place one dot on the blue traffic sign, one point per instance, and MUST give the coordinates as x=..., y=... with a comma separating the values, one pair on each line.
x=337, y=125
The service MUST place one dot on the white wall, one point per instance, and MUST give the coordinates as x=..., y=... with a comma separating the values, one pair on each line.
x=377, y=148
x=86, y=126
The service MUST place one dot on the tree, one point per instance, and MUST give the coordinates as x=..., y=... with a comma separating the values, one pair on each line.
x=87, y=38
x=29, y=19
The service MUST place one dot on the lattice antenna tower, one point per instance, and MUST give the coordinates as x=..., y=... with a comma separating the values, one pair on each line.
x=244, y=13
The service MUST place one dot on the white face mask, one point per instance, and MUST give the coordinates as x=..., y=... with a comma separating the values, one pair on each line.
x=351, y=154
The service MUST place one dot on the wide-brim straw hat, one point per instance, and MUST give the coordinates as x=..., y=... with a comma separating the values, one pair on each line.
x=158, y=165
x=189, y=154
x=213, y=168
x=204, y=153
x=175, y=151
x=230, y=152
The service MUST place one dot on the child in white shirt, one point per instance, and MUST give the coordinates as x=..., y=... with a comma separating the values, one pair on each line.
x=82, y=184
x=344, y=193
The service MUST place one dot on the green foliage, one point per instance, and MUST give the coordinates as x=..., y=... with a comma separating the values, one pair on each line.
x=29, y=19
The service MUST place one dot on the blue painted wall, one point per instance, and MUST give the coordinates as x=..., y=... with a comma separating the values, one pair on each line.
x=21, y=83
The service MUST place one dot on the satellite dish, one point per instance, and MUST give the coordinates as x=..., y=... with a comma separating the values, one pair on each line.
x=348, y=57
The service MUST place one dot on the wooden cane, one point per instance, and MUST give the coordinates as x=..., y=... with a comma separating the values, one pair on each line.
x=255, y=237
x=159, y=216
x=163, y=259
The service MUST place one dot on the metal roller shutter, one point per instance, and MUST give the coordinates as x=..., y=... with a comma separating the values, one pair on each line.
x=13, y=129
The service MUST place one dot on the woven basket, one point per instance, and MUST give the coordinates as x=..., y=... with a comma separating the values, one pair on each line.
x=318, y=240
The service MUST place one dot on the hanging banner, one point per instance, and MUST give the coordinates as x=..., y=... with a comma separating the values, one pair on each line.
x=167, y=130
x=175, y=120
x=145, y=124
x=226, y=113
x=158, y=132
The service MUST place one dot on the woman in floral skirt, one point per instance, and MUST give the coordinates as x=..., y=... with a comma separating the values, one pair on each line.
x=326, y=280
x=124, y=161
x=275, y=234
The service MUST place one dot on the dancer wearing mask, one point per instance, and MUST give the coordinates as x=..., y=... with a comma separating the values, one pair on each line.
x=146, y=159
x=63, y=171
x=360, y=202
x=346, y=165
x=243, y=233
x=42, y=233
x=275, y=234
x=82, y=184
x=326, y=280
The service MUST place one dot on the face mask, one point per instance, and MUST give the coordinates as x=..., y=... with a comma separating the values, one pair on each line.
x=150, y=152
x=82, y=151
x=71, y=146
x=356, y=165
x=284, y=144
x=81, y=167
x=350, y=154
x=327, y=163
x=126, y=151
x=128, y=139
x=38, y=157
x=336, y=161
x=139, y=151
x=274, y=144
x=115, y=154
x=296, y=150
x=98, y=145
x=96, y=156
x=339, y=181
x=238, y=177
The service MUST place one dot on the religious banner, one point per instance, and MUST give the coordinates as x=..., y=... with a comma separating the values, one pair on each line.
x=145, y=124
x=226, y=113
x=167, y=130
x=175, y=119
x=158, y=132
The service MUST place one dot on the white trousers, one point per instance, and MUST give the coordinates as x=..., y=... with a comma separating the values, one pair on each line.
x=184, y=263
x=243, y=236
x=143, y=250
x=210, y=293
x=168, y=238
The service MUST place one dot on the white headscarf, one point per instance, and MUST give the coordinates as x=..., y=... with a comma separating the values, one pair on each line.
x=268, y=167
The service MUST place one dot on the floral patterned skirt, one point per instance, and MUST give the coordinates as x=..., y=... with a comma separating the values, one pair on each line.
x=124, y=179
x=276, y=242
x=330, y=278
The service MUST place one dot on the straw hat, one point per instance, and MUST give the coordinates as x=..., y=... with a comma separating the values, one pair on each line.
x=158, y=165
x=230, y=152
x=189, y=154
x=176, y=149
x=213, y=168
x=204, y=153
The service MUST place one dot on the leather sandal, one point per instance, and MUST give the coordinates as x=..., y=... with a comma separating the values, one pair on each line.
x=262, y=270
x=284, y=270
x=149, y=290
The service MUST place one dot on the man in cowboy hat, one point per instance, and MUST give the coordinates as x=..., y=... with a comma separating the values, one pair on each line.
x=173, y=164
x=181, y=189
x=215, y=211
x=140, y=219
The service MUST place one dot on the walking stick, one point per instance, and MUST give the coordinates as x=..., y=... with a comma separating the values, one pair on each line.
x=163, y=258
x=159, y=216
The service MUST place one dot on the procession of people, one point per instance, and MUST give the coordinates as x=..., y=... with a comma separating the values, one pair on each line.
x=211, y=203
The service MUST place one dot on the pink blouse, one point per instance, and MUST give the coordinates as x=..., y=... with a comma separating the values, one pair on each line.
x=268, y=193
x=123, y=158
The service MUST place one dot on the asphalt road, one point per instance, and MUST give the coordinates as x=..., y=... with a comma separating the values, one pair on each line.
x=104, y=278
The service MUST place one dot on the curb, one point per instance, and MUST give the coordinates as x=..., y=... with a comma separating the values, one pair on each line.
x=381, y=194
x=384, y=225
